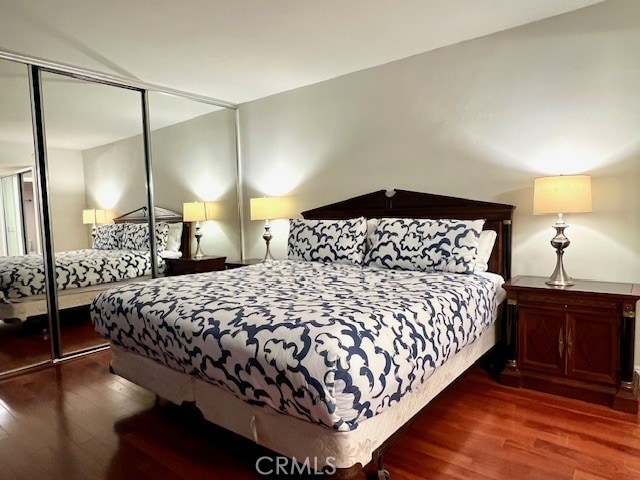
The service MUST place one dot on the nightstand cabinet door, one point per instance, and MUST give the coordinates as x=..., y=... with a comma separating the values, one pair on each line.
x=577, y=341
x=542, y=339
x=592, y=346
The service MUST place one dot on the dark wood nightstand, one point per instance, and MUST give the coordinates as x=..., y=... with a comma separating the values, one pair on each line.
x=574, y=341
x=183, y=266
x=242, y=263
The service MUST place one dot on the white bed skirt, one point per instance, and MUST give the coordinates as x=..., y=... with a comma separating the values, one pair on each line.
x=26, y=307
x=290, y=436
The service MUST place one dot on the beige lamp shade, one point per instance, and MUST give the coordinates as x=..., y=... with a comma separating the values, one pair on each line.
x=94, y=216
x=269, y=208
x=194, y=212
x=562, y=194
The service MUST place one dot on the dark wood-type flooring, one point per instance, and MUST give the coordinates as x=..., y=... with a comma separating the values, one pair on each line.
x=77, y=421
x=25, y=344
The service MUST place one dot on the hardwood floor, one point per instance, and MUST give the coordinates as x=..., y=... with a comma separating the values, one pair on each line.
x=25, y=344
x=77, y=421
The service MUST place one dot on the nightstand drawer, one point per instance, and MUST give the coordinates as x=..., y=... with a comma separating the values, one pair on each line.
x=566, y=300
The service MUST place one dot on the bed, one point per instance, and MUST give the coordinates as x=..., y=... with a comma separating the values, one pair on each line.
x=321, y=360
x=81, y=274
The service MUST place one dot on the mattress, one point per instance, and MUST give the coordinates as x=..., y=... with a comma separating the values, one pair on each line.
x=23, y=276
x=330, y=344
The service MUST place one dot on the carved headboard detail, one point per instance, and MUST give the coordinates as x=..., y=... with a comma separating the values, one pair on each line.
x=407, y=204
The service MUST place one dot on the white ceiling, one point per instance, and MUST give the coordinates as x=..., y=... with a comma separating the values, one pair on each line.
x=80, y=115
x=241, y=50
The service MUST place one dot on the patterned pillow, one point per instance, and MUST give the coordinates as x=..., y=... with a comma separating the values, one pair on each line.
x=108, y=237
x=327, y=241
x=162, y=236
x=136, y=236
x=425, y=245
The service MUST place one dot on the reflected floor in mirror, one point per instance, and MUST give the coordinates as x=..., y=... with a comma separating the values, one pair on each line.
x=27, y=343
x=75, y=420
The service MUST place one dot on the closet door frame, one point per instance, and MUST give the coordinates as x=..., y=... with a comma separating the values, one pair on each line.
x=43, y=189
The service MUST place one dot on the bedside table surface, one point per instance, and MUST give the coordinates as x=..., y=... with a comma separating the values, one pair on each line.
x=583, y=286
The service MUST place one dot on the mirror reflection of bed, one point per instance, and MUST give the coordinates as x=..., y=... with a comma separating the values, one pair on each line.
x=119, y=254
x=95, y=162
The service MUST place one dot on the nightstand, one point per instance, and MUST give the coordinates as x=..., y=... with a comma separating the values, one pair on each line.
x=183, y=266
x=574, y=341
x=242, y=263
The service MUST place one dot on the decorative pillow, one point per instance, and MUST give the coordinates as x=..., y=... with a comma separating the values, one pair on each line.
x=174, y=238
x=327, y=241
x=426, y=245
x=162, y=236
x=108, y=237
x=136, y=236
x=485, y=247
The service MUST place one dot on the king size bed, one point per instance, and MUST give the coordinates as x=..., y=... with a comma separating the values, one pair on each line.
x=383, y=301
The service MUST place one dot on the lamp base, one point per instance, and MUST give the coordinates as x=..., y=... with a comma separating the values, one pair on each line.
x=267, y=239
x=559, y=277
x=199, y=253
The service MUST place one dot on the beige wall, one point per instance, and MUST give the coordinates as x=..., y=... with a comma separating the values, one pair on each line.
x=67, y=193
x=192, y=160
x=481, y=120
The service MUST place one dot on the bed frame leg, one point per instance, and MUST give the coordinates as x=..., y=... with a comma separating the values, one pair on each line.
x=381, y=473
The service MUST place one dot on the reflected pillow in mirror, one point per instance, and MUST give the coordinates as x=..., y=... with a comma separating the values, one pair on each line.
x=108, y=237
x=174, y=238
x=136, y=236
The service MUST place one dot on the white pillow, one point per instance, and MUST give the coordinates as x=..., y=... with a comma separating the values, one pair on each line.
x=485, y=247
x=372, y=224
x=174, y=240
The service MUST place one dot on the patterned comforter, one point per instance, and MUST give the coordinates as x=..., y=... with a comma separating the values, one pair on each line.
x=331, y=344
x=23, y=276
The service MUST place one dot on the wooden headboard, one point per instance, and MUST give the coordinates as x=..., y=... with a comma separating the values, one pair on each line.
x=141, y=215
x=406, y=204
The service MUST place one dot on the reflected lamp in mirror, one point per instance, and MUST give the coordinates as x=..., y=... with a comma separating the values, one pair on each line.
x=195, y=212
x=94, y=216
x=560, y=195
x=268, y=208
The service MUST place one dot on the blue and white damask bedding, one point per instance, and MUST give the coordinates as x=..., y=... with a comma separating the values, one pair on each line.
x=23, y=276
x=333, y=344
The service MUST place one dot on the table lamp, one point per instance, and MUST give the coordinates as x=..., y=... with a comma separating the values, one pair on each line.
x=268, y=208
x=561, y=194
x=93, y=216
x=195, y=212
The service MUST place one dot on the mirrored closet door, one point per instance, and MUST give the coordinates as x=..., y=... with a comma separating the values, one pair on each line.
x=96, y=172
x=195, y=162
x=24, y=327
x=76, y=200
